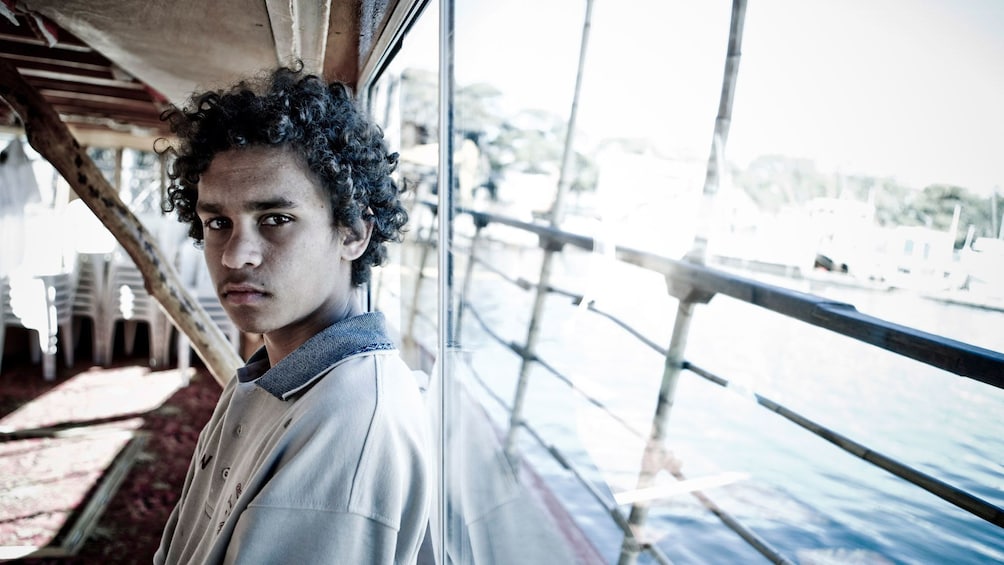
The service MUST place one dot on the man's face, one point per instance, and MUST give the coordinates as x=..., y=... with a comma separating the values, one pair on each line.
x=280, y=266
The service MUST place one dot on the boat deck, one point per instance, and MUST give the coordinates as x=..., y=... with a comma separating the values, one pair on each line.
x=93, y=461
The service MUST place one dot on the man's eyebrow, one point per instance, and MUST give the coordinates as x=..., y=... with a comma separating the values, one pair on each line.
x=207, y=207
x=280, y=202
x=252, y=206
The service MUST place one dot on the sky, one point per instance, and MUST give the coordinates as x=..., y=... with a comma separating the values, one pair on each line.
x=908, y=88
x=912, y=89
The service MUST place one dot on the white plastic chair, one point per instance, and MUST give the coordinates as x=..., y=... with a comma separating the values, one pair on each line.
x=94, y=246
x=91, y=277
x=39, y=289
x=42, y=303
x=126, y=299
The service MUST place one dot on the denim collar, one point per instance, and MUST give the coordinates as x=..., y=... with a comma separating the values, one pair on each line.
x=307, y=363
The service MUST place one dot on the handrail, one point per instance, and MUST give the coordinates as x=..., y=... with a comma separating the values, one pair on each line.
x=984, y=365
x=692, y=282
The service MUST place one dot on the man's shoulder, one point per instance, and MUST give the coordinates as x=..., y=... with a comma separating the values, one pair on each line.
x=378, y=375
x=362, y=384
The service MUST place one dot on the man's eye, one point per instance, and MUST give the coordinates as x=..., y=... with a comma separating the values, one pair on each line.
x=216, y=223
x=275, y=220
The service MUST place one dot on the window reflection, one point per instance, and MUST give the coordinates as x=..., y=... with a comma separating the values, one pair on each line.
x=584, y=389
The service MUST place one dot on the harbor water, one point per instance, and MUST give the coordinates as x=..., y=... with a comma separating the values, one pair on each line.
x=810, y=500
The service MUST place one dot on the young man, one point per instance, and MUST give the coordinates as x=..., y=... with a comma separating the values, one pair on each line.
x=316, y=452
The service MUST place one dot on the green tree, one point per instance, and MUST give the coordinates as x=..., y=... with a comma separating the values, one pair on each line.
x=935, y=207
x=528, y=140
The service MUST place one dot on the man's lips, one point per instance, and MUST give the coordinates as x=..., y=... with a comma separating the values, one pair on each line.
x=242, y=293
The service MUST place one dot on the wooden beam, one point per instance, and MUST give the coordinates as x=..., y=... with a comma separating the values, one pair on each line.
x=398, y=15
x=53, y=140
x=341, y=50
x=121, y=121
x=72, y=44
x=53, y=54
x=118, y=91
x=300, y=31
x=100, y=137
x=101, y=103
x=67, y=70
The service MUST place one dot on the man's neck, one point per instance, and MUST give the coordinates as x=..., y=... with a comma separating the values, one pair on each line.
x=279, y=344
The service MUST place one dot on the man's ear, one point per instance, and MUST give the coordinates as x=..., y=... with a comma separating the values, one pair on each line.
x=355, y=241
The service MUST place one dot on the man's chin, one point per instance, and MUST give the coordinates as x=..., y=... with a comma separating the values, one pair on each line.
x=250, y=325
x=252, y=329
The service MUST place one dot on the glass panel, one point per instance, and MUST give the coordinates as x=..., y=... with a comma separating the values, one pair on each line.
x=559, y=361
x=403, y=100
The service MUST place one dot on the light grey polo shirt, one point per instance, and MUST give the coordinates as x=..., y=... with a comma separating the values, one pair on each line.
x=322, y=458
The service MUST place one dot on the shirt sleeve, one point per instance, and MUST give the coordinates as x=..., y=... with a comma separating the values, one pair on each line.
x=167, y=537
x=160, y=558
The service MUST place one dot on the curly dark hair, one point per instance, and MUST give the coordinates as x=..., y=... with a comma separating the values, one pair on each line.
x=319, y=121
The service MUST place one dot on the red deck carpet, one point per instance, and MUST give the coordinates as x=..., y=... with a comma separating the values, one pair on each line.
x=58, y=441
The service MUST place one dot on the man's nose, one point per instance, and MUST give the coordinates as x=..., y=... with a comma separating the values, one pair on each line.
x=243, y=249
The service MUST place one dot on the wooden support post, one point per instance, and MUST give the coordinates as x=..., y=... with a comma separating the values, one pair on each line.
x=53, y=140
x=655, y=450
x=557, y=214
x=654, y=458
x=716, y=160
x=426, y=246
x=533, y=332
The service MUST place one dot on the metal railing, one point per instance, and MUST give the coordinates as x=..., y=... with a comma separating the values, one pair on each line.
x=693, y=284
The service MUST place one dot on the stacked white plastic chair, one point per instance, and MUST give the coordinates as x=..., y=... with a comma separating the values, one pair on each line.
x=127, y=300
x=124, y=297
x=89, y=299
x=110, y=288
x=94, y=245
x=38, y=296
x=42, y=303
